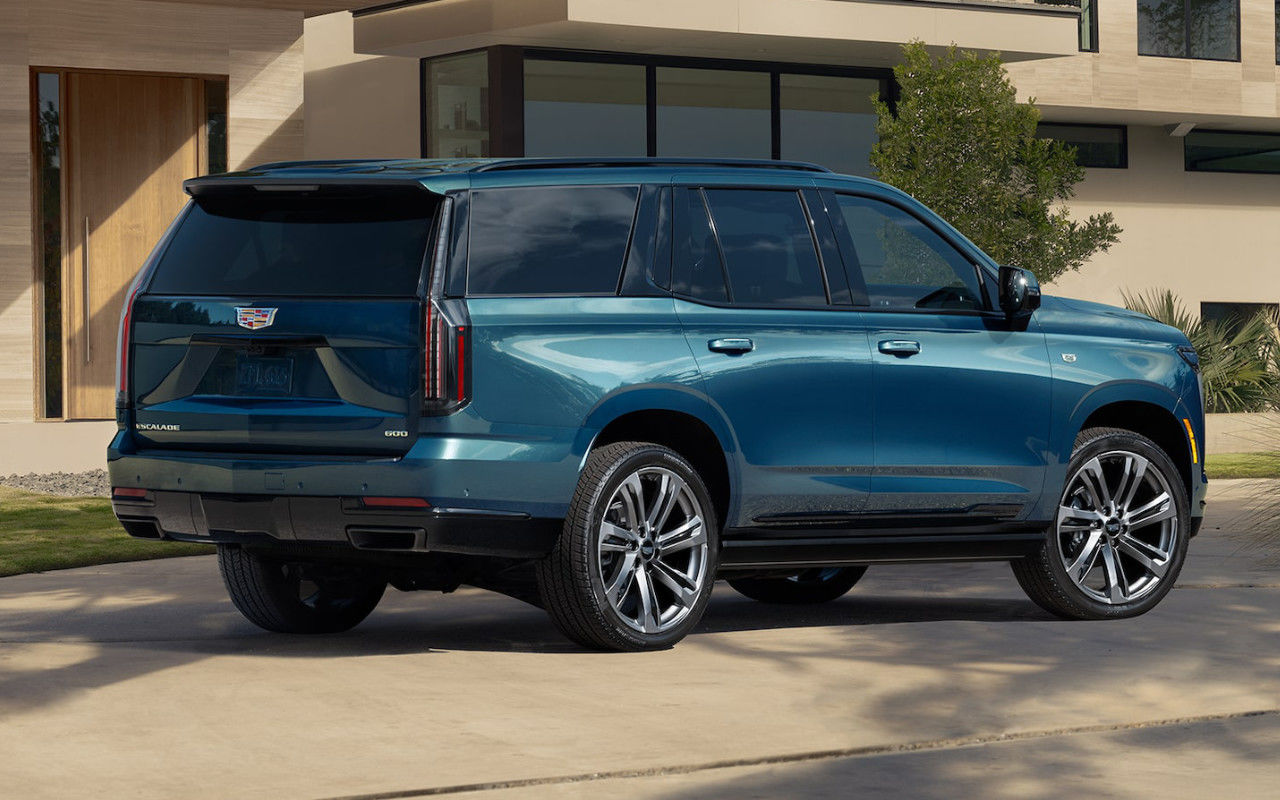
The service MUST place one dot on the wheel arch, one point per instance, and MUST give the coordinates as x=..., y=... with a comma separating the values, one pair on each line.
x=680, y=421
x=1158, y=421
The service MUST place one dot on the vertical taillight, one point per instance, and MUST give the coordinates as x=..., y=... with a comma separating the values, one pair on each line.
x=123, y=338
x=447, y=354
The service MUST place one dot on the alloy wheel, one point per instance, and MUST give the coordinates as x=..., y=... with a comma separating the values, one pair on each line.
x=1117, y=527
x=652, y=550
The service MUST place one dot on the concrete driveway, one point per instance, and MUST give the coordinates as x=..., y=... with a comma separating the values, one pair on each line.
x=140, y=680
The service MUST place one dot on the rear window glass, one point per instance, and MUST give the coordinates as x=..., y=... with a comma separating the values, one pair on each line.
x=556, y=240
x=336, y=246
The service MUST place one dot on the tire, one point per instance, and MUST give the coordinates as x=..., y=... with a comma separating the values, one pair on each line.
x=810, y=586
x=618, y=548
x=1107, y=532
x=297, y=597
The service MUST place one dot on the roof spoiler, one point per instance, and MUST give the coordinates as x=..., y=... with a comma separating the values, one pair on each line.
x=215, y=185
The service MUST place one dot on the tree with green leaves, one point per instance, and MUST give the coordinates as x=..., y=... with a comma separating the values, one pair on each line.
x=959, y=141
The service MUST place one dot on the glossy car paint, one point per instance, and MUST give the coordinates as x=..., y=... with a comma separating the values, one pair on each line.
x=812, y=419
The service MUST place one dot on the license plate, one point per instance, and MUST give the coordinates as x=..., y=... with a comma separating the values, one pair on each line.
x=264, y=375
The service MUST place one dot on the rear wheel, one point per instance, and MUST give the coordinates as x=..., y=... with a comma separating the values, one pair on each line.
x=634, y=566
x=298, y=597
x=818, y=585
x=1120, y=534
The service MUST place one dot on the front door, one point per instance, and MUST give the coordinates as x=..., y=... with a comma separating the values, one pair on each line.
x=130, y=141
x=961, y=394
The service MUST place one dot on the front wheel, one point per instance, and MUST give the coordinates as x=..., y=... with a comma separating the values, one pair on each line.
x=1120, y=532
x=809, y=586
x=298, y=597
x=635, y=563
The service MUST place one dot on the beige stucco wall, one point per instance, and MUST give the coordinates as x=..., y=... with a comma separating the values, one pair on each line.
x=1207, y=236
x=357, y=106
x=259, y=50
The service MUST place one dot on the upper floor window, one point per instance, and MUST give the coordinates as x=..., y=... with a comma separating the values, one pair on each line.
x=1205, y=29
x=1104, y=146
x=904, y=262
x=1089, y=26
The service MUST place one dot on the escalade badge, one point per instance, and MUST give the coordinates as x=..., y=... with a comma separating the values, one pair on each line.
x=255, y=318
x=1070, y=358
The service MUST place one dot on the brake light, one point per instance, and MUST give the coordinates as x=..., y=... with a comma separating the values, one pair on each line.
x=445, y=371
x=123, y=337
x=127, y=493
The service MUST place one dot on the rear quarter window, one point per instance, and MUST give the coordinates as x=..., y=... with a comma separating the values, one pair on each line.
x=549, y=240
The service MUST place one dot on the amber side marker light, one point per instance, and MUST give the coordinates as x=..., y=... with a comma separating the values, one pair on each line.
x=124, y=493
x=394, y=502
x=1191, y=437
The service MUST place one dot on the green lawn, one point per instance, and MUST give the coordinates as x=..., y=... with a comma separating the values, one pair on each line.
x=41, y=532
x=1243, y=465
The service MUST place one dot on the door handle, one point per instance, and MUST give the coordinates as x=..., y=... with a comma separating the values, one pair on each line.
x=899, y=347
x=733, y=346
x=84, y=295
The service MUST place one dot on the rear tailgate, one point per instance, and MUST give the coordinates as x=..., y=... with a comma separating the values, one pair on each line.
x=286, y=321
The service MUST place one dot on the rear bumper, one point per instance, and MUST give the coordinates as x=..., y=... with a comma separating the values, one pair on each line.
x=266, y=520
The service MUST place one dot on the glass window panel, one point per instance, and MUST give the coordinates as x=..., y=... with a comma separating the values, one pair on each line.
x=767, y=247
x=904, y=262
x=276, y=245
x=1088, y=26
x=828, y=120
x=457, y=106
x=215, y=124
x=549, y=240
x=699, y=272
x=1233, y=316
x=1162, y=28
x=713, y=113
x=1213, y=29
x=1096, y=145
x=48, y=122
x=572, y=108
x=1216, y=151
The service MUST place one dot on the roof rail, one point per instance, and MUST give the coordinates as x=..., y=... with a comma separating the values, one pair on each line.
x=560, y=163
x=324, y=162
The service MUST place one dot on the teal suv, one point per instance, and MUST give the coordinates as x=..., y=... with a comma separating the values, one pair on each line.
x=601, y=385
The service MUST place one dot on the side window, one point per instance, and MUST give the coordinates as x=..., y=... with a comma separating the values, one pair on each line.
x=549, y=240
x=698, y=271
x=768, y=247
x=905, y=263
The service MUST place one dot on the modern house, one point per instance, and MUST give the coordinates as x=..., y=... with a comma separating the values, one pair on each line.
x=105, y=105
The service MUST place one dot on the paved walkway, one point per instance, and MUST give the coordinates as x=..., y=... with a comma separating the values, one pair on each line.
x=140, y=680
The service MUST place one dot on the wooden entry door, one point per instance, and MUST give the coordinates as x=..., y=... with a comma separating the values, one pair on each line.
x=130, y=141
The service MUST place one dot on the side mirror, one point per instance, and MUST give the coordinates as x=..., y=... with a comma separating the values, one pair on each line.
x=1019, y=291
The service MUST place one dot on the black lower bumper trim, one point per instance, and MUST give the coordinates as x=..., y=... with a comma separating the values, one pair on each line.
x=289, y=520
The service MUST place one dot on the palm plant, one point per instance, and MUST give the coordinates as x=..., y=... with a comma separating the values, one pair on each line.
x=1239, y=360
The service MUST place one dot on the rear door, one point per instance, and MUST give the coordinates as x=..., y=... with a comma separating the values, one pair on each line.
x=961, y=393
x=766, y=311
x=287, y=322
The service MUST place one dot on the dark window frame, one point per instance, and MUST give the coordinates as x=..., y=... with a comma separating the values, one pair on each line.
x=1186, y=39
x=1186, y=157
x=506, y=88
x=1124, y=140
x=1089, y=7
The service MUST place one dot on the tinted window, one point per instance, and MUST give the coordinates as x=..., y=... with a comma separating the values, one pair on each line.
x=767, y=246
x=1221, y=151
x=1096, y=145
x=542, y=240
x=699, y=272
x=577, y=108
x=246, y=245
x=712, y=112
x=904, y=262
x=1208, y=29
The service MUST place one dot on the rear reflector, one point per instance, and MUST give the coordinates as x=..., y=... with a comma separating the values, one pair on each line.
x=394, y=502
x=123, y=493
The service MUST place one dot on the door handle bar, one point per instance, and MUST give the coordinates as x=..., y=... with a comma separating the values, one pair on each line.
x=899, y=347
x=84, y=294
x=733, y=346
